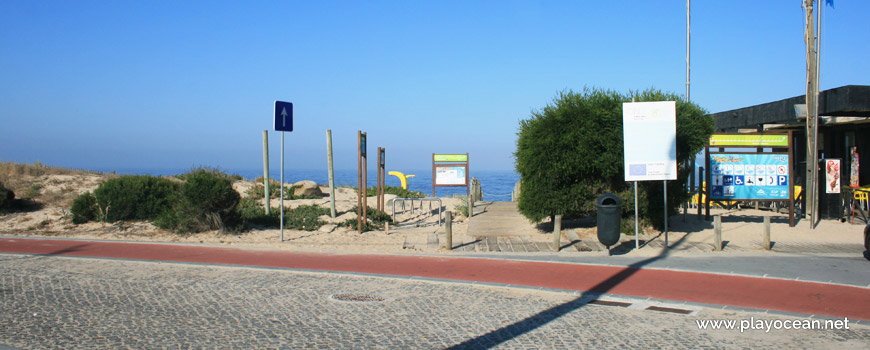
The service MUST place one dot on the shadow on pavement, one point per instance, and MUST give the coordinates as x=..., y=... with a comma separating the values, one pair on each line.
x=63, y=251
x=476, y=241
x=499, y=336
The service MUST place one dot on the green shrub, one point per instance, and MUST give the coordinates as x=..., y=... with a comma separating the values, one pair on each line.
x=352, y=224
x=374, y=221
x=135, y=197
x=210, y=192
x=7, y=198
x=186, y=218
x=84, y=208
x=252, y=213
x=571, y=152
x=207, y=201
x=258, y=190
x=305, y=217
x=462, y=209
x=398, y=191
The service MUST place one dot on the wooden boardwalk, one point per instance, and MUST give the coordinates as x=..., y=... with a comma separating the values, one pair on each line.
x=499, y=219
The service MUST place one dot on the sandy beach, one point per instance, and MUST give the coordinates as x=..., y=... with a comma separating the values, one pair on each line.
x=417, y=222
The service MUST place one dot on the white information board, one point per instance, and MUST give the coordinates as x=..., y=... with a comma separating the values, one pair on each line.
x=650, y=140
x=452, y=175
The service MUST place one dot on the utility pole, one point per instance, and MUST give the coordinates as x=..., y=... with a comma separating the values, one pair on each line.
x=812, y=115
x=688, y=40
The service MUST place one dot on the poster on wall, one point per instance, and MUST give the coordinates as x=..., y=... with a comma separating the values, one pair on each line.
x=853, y=175
x=450, y=175
x=650, y=140
x=832, y=176
x=749, y=176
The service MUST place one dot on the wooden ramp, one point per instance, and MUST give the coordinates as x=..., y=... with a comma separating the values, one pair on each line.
x=499, y=219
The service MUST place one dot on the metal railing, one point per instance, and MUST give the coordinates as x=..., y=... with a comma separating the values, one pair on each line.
x=427, y=199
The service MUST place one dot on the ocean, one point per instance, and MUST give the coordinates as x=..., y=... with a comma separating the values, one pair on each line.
x=496, y=185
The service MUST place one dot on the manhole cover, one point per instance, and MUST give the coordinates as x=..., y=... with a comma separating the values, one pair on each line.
x=357, y=297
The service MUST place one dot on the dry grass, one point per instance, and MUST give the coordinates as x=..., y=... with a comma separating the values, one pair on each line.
x=31, y=181
x=9, y=170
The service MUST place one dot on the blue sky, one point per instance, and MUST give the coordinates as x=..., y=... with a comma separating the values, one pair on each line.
x=176, y=84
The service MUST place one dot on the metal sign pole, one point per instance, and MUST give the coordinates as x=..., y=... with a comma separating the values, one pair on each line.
x=636, y=213
x=282, y=186
x=665, y=182
x=359, y=193
x=281, y=125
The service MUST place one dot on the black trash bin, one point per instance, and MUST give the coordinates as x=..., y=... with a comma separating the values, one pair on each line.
x=609, y=216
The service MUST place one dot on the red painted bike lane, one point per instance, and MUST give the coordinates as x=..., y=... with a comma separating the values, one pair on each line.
x=749, y=292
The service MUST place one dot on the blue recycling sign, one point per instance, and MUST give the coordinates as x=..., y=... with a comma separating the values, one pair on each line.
x=283, y=116
x=749, y=176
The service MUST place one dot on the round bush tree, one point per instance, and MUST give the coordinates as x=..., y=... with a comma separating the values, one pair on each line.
x=208, y=202
x=210, y=191
x=571, y=152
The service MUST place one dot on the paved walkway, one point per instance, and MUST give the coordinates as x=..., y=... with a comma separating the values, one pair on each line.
x=498, y=227
x=58, y=302
x=808, y=298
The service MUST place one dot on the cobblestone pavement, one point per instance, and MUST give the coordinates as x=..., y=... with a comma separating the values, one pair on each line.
x=77, y=303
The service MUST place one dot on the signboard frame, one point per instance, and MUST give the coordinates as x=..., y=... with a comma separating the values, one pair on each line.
x=645, y=158
x=743, y=142
x=450, y=160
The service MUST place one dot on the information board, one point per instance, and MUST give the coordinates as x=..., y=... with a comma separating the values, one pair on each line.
x=450, y=170
x=749, y=176
x=650, y=140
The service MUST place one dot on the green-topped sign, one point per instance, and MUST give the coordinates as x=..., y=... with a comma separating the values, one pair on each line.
x=749, y=140
x=450, y=157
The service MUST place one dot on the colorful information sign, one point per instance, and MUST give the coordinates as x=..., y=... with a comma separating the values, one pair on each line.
x=832, y=176
x=450, y=158
x=752, y=140
x=749, y=176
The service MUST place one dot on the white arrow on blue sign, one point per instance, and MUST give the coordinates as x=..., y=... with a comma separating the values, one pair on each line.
x=283, y=116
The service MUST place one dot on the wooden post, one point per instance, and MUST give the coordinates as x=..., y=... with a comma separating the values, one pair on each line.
x=812, y=118
x=331, y=173
x=381, y=175
x=470, y=207
x=365, y=179
x=766, y=238
x=557, y=233
x=717, y=227
x=448, y=227
x=267, y=199
x=359, y=181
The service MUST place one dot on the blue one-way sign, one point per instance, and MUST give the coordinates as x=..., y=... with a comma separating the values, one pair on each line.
x=283, y=116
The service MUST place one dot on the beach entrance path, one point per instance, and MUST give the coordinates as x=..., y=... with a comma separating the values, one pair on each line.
x=494, y=219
